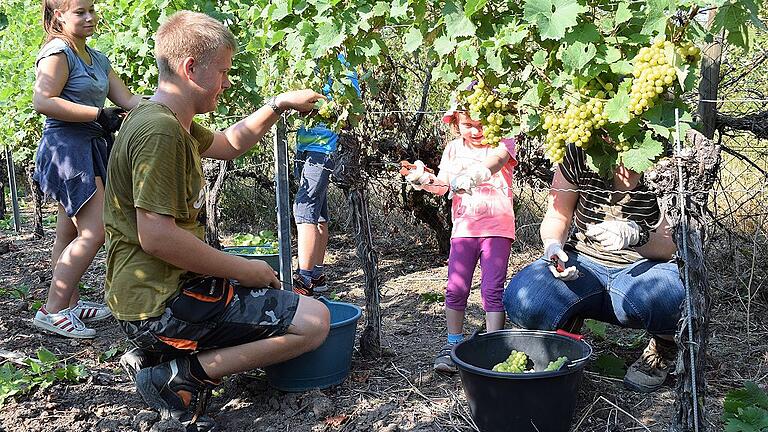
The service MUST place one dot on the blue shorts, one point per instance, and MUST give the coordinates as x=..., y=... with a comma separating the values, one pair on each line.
x=313, y=169
x=646, y=295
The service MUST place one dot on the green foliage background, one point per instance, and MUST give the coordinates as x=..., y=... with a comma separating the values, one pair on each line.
x=538, y=48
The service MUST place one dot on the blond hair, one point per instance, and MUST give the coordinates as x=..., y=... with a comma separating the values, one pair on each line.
x=189, y=34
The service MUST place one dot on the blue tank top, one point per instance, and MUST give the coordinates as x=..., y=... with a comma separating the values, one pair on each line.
x=86, y=84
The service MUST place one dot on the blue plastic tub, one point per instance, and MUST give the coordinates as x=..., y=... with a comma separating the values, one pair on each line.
x=255, y=252
x=329, y=364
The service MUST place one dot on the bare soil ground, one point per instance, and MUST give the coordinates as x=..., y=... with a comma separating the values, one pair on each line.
x=398, y=392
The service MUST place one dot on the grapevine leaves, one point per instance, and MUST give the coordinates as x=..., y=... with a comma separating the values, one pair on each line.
x=617, y=108
x=642, y=157
x=552, y=17
x=578, y=55
x=413, y=40
x=456, y=22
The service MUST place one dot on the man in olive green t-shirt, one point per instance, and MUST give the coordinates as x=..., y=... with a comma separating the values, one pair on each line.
x=194, y=313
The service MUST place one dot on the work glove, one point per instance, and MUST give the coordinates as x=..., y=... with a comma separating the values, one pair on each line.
x=418, y=176
x=111, y=118
x=470, y=179
x=556, y=256
x=614, y=235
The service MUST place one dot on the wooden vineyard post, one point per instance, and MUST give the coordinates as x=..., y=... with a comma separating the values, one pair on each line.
x=14, y=194
x=683, y=186
x=348, y=177
x=212, y=201
x=37, y=202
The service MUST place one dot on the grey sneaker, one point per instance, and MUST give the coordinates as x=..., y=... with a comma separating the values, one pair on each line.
x=171, y=389
x=443, y=361
x=648, y=373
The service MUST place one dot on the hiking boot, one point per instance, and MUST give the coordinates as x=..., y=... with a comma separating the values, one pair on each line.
x=443, y=361
x=171, y=389
x=64, y=322
x=301, y=287
x=136, y=359
x=648, y=373
x=319, y=284
x=90, y=311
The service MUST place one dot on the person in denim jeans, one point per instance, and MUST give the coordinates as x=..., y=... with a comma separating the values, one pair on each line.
x=314, y=165
x=615, y=265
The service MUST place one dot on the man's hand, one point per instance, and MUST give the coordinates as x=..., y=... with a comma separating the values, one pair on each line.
x=258, y=274
x=556, y=256
x=302, y=101
x=111, y=118
x=470, y=178
x=418, y=176
x=615, y=235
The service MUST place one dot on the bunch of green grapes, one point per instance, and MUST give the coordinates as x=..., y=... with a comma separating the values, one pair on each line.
x=653, y=74
x=515, y=363
x=332, y=113
x=574, y=126
x=688, y=51
x=555, y=365
x=490, y=107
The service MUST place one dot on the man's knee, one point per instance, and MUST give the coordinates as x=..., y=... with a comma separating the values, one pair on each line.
x=525, y=302
x=312, y=320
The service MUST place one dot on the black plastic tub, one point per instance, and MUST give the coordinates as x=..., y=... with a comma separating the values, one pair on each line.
x=536, y=401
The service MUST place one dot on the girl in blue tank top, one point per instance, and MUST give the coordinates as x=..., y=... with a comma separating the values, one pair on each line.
x=72, y=83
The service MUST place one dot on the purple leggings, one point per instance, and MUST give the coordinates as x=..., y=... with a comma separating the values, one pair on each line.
x=493, y=253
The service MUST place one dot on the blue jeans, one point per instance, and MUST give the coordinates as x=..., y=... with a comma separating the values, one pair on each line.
x=647, y=295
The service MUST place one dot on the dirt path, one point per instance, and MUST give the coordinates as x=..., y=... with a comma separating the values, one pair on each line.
x=396, y=392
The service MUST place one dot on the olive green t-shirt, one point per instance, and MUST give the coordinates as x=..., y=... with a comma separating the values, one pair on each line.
x=154, y=165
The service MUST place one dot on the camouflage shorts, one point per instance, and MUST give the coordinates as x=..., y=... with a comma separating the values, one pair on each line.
x=213, y=313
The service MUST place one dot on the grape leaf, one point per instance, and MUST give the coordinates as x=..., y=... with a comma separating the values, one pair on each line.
x=618, y=107
x=413, y=40
x=597, y=328
x=737, y=399
x=578, y=55
x=623, y=14
x=444, y=45
x=456, y=23
x=399, y=8
x=540, y=59
x=601, y=159
x=467, y=54
x=472, y=6
x=328, y=36
x=552, y=17
x=656, y=20
x=640, y=159
x=610, y=365
x=494, y=60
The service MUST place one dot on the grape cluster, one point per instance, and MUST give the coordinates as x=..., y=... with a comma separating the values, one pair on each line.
x=330, y=112
x=490, y=107
x=555, y=365
x=574, y=126
x=515, y=363
x=689, y=52
x=653, y=74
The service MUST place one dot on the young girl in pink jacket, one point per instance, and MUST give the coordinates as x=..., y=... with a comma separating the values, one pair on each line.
x=483, y=222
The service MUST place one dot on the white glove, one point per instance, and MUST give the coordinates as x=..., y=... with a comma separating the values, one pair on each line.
x=418, y=177
x=470, y=178
x=553, y=252
x=614, y=235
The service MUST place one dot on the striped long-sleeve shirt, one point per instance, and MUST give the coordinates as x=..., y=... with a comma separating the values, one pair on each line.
x=599, y=201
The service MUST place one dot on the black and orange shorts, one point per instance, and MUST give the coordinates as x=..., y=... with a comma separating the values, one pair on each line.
x=210, y=312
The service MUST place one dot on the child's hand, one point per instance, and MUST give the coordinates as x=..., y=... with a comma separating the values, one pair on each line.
x=470, y=178
x=417, y=174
